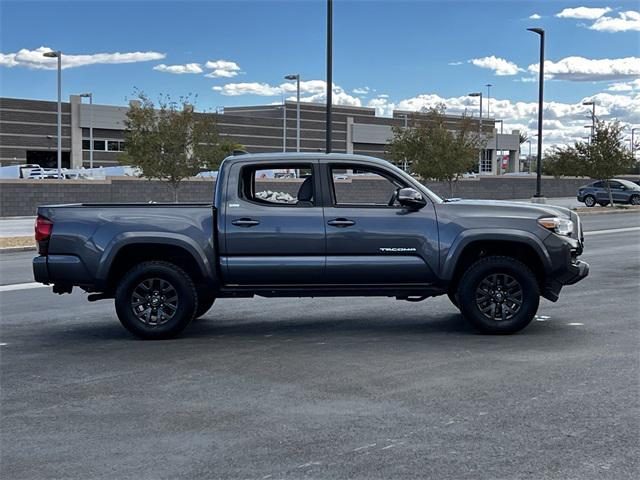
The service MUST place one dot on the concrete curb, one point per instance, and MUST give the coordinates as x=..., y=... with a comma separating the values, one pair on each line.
x=17, y=249
x=610, y=212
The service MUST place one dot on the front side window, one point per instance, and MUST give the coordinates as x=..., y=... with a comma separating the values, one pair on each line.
x=354, y=185
x=279, y=184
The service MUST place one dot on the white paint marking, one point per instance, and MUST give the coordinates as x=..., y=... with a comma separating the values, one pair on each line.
x=388, y=447
x=542, y=318
x=21, y=286
x=612, y=230
x=575, y=324
x=3, y=344
x=364, y=447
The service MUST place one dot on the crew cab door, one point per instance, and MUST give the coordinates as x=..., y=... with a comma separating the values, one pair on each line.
x=371, y=239
x=274, y=232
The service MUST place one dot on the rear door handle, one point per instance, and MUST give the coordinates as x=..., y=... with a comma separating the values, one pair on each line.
x=245, y=222
x=341, y=222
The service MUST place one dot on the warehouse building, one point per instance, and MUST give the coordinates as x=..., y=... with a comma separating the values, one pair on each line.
x=28, y=132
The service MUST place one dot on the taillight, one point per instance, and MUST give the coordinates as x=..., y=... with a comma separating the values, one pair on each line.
x=43, y=233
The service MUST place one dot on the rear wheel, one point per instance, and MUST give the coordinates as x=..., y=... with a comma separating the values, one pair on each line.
x=590, y=201
x=634, y=200
x=498, y=295
x=156, y=300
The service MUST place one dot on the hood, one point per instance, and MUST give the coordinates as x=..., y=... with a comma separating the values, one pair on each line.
x=497, y=208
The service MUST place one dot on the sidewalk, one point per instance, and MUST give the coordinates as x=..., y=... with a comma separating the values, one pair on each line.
x=17, y=226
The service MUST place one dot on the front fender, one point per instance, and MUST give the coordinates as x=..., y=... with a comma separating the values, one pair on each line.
x=466, y=237
x=158, y=238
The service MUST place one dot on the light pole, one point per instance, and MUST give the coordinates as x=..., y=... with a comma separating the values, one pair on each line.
x=58, y=54
x=529, y=156
x=479, y=94
x=329, y=80
x=406, y=124
x=284, y=125
x=489, y=85
x=592, y=103
x=540, y=32
x=633, y=145
x=90, y=96
x=296, y=77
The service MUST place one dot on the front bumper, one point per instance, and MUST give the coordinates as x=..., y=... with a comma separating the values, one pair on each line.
x=574, y=273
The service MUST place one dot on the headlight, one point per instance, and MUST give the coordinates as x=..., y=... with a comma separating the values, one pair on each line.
x=561, y=226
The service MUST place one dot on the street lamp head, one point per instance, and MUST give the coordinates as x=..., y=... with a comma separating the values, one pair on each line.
x=292, y=77
x=589, y=103
x=539, y=31
x=475, y=94
x=51, y=54
x=489, y=85
x=85, y=95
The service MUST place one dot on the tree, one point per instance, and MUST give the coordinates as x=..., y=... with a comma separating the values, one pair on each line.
x=434, y=150
x=561, y=162
x=170, y=141
x=602, y=158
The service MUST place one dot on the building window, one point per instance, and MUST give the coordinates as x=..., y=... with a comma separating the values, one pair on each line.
x=102, y=145
x=486, y=165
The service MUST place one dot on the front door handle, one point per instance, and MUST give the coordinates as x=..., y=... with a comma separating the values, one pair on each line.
x=341, y=222
x=245, y=222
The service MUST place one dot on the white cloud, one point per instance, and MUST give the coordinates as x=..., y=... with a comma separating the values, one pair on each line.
x=625, y=86
x=383, y=107
x=361, y=90
x=222, y=69
x=583, y=13
x=179, y=69
x=563, y=122
x=34, y=59
x=455, y=64
x=314, y=89
x=624, y=22
x=535, y=16
x=248, y=88
x=580, y=69
x=500, y=66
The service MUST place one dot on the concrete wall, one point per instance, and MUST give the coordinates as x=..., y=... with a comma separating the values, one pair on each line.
x=21, y=197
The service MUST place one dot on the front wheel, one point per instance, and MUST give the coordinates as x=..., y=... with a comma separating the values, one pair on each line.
x=498, y=295
x=590, y=201
x=156, y=300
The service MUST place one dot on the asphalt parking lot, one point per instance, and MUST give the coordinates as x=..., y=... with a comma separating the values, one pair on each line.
x=328, y=388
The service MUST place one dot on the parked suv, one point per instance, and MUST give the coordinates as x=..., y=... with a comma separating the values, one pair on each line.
x=622, y=191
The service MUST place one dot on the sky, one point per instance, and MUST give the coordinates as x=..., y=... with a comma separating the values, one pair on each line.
x=388, y=54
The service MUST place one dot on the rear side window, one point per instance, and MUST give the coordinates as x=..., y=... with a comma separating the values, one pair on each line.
x=598, y=185
x=278, y=184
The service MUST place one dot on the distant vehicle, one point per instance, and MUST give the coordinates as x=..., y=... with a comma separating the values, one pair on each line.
x=22, y=171
x=622, y=191
x=166, y=264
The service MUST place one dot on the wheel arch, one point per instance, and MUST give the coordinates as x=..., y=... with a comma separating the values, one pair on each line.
x=471, y=246
x=129, y=249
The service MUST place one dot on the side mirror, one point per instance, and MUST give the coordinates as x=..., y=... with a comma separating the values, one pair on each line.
x=411, y=198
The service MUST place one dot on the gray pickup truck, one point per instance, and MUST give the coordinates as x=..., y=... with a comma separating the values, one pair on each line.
x=310, y=225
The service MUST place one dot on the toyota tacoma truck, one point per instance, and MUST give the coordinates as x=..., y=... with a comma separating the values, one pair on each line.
x=310, y=225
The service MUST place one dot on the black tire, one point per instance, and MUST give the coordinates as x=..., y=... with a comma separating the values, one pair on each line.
x=156, y=300
x=205, y=302
x=453, y=298
x=590, y=201
x=634, y=200
x=505, y=307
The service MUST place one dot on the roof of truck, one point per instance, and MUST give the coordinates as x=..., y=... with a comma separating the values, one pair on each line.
x=303, y=156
